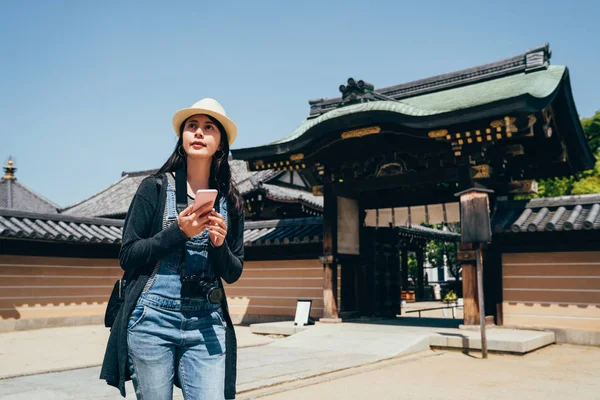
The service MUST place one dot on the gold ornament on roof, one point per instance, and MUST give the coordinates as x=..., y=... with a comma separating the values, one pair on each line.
x=438, y=133
x=9, y=171
x=361, y=132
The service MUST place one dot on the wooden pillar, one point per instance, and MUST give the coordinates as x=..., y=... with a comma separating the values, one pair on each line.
x=469, y=283
x=475, y=229
x=420, y=271
x=330, y=281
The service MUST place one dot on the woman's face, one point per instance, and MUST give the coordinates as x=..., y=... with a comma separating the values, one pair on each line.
x=201, y=137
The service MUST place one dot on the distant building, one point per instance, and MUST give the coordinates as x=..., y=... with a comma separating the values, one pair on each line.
x=15, y=196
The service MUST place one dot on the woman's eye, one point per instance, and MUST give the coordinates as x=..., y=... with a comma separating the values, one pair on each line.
x=192, y=126
x=208, y=127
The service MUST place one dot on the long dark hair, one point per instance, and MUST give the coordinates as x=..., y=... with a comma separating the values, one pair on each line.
x=220, y=171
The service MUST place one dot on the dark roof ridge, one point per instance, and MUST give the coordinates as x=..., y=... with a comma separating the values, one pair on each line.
x=571, y=200
x=6, y=212
x=140, y=173
x=273, y=223
x=532, y=60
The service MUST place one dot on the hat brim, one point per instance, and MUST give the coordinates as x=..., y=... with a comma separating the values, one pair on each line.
x=181, y=115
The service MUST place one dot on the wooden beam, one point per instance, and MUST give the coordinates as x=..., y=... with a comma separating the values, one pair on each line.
x=330, y=284
x=427, y=176
x=469, y=281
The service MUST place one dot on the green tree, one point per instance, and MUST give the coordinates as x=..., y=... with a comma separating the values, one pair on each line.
x=440, y=253
x=588, y=181
x=412, y=267
x=591, y=129
x=555, y=187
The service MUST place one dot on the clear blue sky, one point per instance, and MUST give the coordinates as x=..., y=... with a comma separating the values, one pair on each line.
x=88, y=88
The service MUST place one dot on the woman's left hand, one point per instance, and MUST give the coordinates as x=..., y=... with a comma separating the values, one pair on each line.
x=217, y=229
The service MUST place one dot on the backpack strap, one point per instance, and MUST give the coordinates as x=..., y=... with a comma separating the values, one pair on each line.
x=181, y=189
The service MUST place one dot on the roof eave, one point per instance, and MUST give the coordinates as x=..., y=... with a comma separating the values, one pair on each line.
x=578, y=149
x=524, y=103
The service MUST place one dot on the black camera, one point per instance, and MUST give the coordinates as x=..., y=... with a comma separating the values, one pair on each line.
x=192, y=286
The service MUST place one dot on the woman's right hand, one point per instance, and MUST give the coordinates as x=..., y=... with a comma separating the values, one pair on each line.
x=194, y=223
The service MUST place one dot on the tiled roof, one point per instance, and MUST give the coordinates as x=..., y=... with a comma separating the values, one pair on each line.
x=426, y=233
x=59, y=228
x=283, y=232
x=63, y=228
x=538, y=84
x=114, y=200
x=246, y=180
x=286, y=194
x=565, y=213
x=111, y=202
x=532, y=60
x=15, y=196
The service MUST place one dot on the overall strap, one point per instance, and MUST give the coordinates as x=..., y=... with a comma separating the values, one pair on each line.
x=181, y=189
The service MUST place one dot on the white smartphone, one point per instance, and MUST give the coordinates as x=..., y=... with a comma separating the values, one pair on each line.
x=204, y=196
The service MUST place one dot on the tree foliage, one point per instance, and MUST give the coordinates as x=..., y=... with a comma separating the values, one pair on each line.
x=591, y=129
x=588, y=181
x=440, y=253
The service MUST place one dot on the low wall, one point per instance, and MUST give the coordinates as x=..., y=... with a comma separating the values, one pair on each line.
x=39, y=292
x=269, y=290
x=552, y=290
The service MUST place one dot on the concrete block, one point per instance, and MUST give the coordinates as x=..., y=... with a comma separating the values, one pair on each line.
x=584, y=338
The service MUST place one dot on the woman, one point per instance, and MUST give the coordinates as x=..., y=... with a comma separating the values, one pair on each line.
x=169, y=330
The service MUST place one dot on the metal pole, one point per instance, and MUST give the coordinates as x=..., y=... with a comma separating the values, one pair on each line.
x=481, y=303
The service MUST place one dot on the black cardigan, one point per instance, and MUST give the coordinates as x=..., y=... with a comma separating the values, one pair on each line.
x=144, y=244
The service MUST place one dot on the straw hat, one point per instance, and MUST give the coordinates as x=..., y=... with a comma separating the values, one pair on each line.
x=210, y=107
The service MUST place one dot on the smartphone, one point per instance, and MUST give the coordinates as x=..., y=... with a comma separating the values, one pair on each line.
x=204, y=196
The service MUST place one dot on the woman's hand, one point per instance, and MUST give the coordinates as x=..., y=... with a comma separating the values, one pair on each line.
x=217, y=228
x=194, y=223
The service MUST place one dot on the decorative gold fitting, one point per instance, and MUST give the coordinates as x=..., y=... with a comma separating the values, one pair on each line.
x=361, y=132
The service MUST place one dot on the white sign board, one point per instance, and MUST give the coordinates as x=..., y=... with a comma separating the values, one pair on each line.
x=302, y=312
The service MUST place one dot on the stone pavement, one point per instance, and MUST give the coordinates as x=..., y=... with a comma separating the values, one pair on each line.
x=555, y=372
x=322, y=349
x=316, y=351
x=59, y=349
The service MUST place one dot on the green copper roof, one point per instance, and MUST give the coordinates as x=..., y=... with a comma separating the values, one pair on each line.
x=538, y=84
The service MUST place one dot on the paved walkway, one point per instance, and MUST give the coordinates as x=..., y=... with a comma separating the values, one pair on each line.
x=58, y=349
x=556, y=372
x=322, y=349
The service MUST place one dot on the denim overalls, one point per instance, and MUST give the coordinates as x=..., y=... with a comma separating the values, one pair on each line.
x=170, y=335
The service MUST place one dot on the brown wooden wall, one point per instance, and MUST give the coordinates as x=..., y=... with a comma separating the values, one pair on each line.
x=59, y=287
x=273, y=288
x=555, y=290
x=48, y=287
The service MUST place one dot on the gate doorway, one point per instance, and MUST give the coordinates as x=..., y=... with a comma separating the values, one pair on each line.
x=397, y=276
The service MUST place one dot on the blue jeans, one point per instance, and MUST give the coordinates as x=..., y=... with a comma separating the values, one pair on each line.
x=166, y=336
